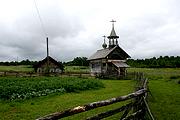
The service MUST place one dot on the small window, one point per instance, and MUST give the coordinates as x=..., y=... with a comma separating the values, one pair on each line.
x=104, y=64
x=58, y=70
x=52, y=70
x=92, y=65
x=39, y=70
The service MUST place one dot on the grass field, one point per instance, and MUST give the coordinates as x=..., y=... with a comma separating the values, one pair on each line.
x=23, y=68
x=77, y=69
x=164, y=102
x=36, y=107
x=28, y=68
x=164, y=85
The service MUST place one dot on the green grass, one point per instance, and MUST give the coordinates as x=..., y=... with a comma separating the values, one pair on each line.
x=157, y=73
x=24, y=68
x=28, y=68
x=77, y=69
x=165, y=103
x=24, y=88
x=163, y=84
x=36, y=107
x=165, y=88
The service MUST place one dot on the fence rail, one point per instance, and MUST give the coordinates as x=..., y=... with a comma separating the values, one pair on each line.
x=138, y=106
x=33, y=74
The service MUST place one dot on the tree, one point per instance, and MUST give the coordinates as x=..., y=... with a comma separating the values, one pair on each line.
x=161, y=62
x=78, y=61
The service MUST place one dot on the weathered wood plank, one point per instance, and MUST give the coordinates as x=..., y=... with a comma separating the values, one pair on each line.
x=126, y=112
x=109, y=113
x=148, y=109
x=90, y=106
x=145, y=83
x=133, y=115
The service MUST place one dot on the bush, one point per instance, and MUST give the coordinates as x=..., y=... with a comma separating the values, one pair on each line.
x=174, y=77
x=179, y=82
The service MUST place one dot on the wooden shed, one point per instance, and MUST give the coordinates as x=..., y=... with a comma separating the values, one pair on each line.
x=111, y=60
x=48, y=65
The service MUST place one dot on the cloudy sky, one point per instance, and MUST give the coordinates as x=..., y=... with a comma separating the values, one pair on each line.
x=146, y=28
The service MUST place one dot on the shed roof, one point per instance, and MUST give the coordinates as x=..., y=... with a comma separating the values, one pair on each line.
x=45, y=60
x=120, y=64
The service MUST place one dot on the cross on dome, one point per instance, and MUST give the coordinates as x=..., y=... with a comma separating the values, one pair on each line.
x=113, y=21
x=104, y=44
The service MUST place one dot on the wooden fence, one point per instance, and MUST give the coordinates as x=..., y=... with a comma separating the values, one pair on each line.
x=137, y=109
x=17, y=74
x=129, y=75
x=33, y=74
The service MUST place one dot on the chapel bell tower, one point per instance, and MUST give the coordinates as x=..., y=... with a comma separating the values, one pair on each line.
x=113, y=37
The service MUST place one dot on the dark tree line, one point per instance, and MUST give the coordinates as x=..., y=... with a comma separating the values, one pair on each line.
x=78, y=61
x=23, y=62
x=161, y=62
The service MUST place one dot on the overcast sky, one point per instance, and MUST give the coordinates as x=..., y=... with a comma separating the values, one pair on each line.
x=147, y=28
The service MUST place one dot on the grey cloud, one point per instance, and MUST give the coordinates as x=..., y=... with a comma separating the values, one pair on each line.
x=146, y=35
x=26, y=38
x=151, y=35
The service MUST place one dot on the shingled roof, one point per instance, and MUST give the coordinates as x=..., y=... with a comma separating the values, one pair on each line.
x=103, y=53
x=45, y=60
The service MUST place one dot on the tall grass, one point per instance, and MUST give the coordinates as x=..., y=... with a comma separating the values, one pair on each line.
x=165, y=88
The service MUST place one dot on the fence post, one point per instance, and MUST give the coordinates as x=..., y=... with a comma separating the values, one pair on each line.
x=5, y=73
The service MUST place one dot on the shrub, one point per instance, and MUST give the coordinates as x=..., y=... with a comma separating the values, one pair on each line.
x=175, y=77
x=179, y=82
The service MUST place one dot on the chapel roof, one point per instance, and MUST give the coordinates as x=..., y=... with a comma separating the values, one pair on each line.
x=103, y=53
